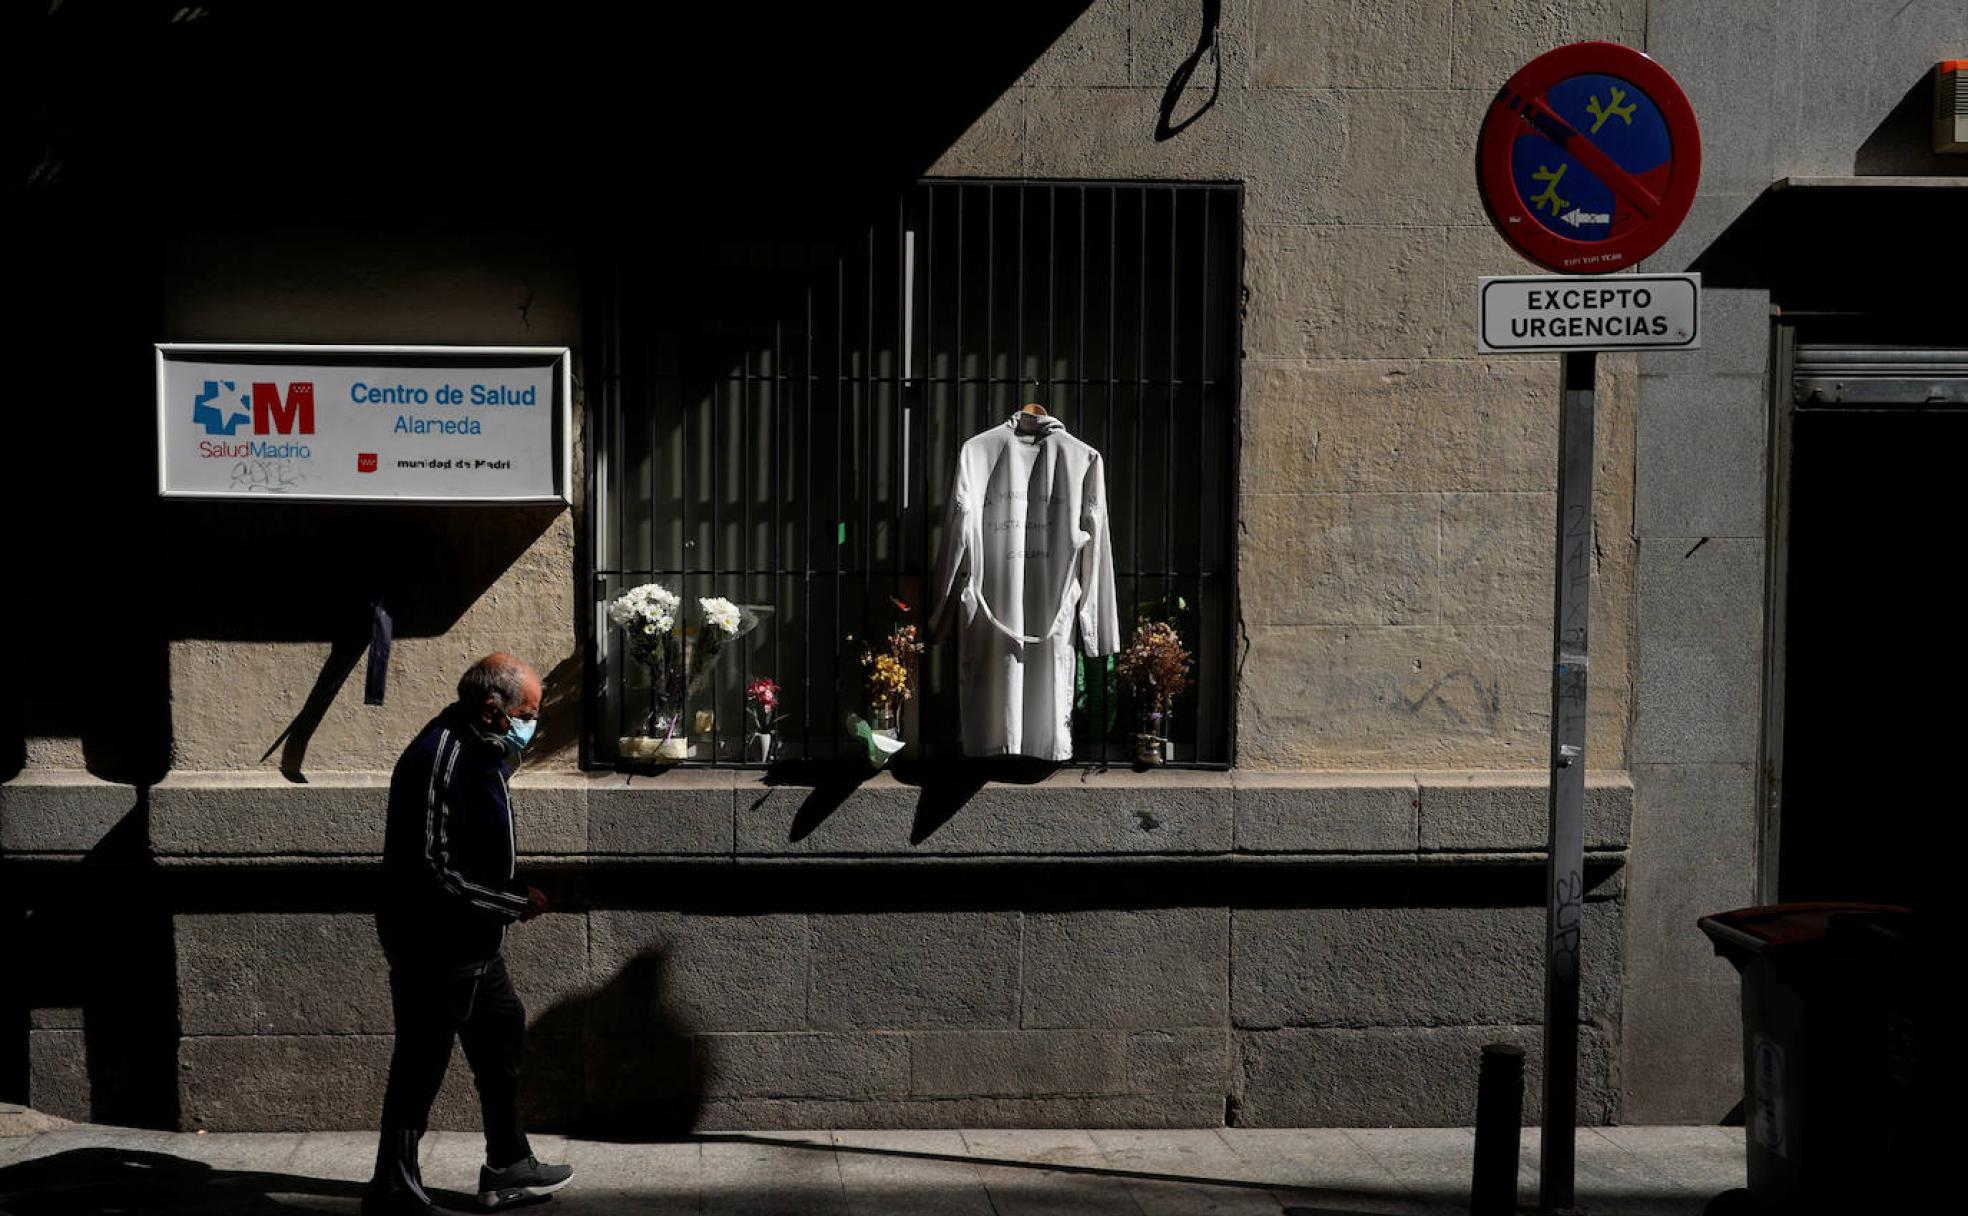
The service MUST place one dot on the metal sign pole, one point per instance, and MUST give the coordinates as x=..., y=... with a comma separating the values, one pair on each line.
x=1565, y=867
x=1544, y=124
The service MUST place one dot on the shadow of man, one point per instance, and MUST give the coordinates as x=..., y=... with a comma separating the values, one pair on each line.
x=638, y=1072
x=127, y=1182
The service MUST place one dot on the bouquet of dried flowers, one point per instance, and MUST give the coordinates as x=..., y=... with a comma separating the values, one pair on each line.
x=892, y=672
x=1155, y=669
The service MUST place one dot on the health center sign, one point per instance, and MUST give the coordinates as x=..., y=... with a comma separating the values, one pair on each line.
x=365, y=423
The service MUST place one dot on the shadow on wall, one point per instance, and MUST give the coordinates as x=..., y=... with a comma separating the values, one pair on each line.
x=1903, y=143
x=1824, y=247
x=1167, y=125
x=560, y=715
x=811, y=121
x=944, y=786
x=93, y=984
x=328, y=565
x=614, y=1064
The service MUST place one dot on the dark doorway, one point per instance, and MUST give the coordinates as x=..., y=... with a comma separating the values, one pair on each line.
x=1872, y=707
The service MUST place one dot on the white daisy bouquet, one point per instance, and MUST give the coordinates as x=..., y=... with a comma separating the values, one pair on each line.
x=648, y=617
x=721, y=623
x=679, y=659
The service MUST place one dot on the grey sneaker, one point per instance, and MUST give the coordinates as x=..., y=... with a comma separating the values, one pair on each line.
x=523, y=1180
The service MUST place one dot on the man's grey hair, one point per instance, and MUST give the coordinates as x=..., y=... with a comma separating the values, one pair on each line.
x=495, y=675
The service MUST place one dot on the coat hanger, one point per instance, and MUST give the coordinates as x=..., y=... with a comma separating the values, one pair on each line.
x=1029, y=415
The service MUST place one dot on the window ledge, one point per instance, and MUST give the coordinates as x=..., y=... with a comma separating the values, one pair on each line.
x=1878, y=182
x=739, y=815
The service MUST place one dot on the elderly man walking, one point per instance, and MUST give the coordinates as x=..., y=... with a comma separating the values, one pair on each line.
x=450, y=889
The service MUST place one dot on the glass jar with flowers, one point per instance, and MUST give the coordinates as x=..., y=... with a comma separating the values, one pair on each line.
x=678, y=661
x=1155, y=669
x=891, y=675
x=647, y=616
x=720, y=623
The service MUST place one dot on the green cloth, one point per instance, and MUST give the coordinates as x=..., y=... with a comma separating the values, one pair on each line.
x=880, y=747
x=1096, y=690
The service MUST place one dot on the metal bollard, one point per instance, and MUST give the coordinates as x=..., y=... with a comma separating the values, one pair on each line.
x=1499, y=1127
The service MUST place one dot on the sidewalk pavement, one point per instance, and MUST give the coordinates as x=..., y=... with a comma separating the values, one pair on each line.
x=90, y=1170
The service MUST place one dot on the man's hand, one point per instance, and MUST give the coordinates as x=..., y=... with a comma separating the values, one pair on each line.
x=536, y=903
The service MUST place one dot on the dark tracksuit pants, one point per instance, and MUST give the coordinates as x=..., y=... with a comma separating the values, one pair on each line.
x=482, y=1011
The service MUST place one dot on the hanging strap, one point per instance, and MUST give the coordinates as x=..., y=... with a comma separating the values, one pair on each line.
x=974, y=600
x=1069, y=597
x=382, y=632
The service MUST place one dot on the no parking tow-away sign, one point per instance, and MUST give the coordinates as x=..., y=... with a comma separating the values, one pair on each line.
x=1587, y=162
x=1588, y=158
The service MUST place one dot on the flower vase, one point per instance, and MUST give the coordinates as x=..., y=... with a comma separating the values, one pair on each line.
x=653, y=749
x=758, y=748
x=659, y=742
x=881, y=732
x=1151, y=744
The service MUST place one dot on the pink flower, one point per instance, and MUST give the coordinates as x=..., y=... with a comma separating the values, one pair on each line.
x=764, y=693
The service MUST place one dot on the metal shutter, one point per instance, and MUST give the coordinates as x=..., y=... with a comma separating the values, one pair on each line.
x=1834, y=374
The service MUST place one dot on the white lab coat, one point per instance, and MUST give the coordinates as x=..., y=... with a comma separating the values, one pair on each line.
x=1026, y=555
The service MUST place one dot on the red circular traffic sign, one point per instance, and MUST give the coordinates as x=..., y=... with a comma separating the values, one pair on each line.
x=1588, y=158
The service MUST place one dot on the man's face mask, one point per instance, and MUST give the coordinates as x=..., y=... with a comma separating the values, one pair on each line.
x=519, y=733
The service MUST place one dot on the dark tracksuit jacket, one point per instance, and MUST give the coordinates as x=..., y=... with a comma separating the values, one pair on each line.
x=450, y=877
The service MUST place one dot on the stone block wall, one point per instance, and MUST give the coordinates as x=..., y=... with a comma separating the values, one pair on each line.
x=1092, y=950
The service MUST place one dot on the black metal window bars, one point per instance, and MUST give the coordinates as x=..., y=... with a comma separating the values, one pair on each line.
x=779, y=425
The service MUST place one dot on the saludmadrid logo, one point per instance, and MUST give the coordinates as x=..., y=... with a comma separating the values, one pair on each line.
x=222, y=409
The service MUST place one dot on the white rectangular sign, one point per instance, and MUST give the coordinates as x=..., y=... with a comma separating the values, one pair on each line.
x=1601, y=312
x=469, y=424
